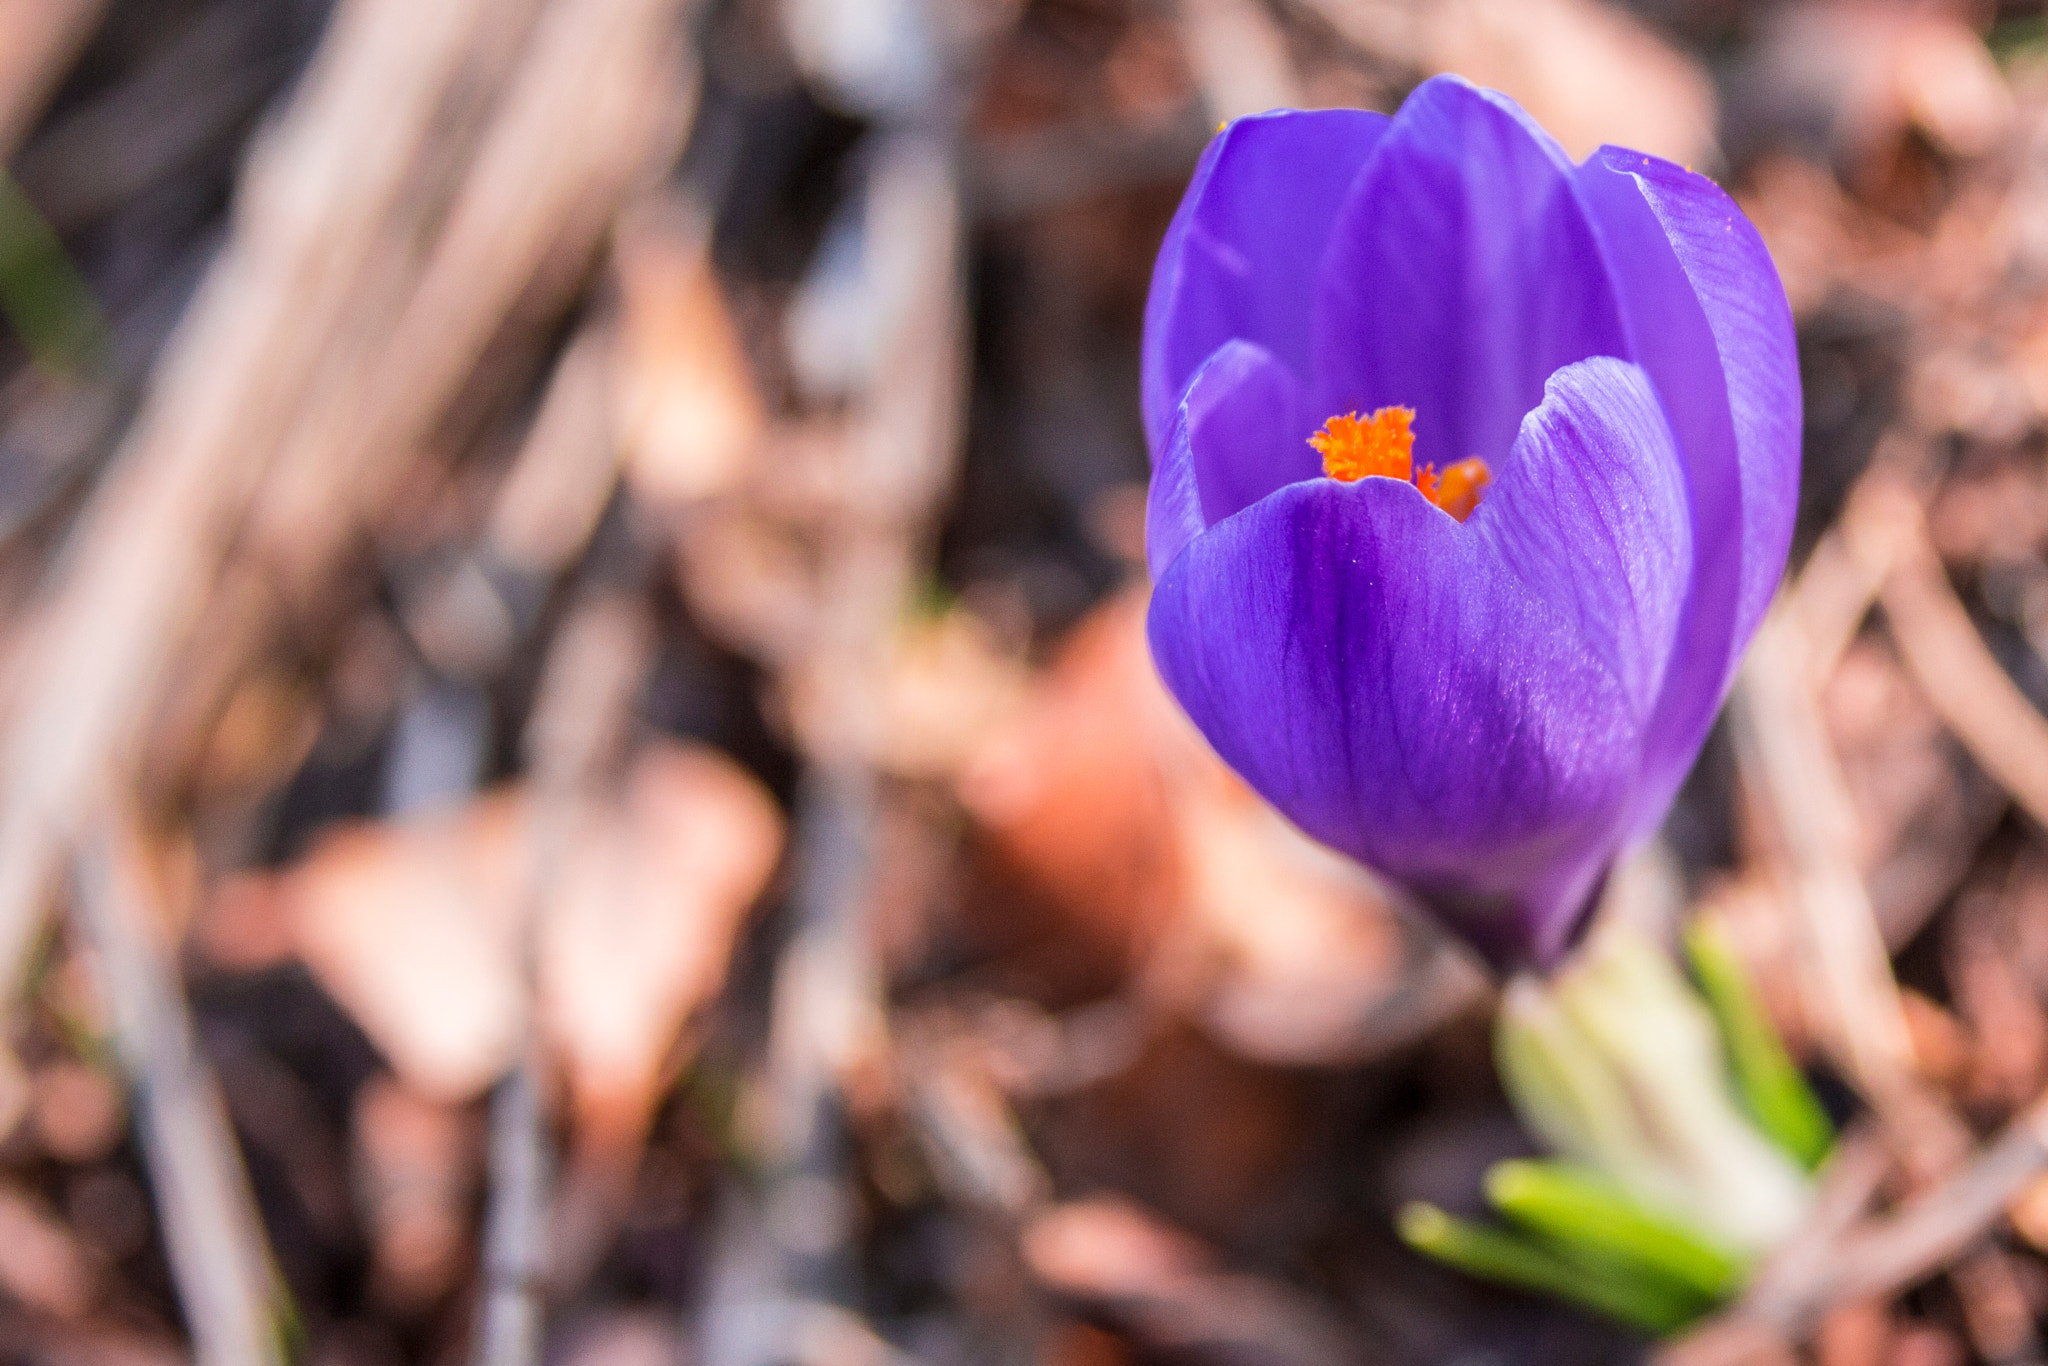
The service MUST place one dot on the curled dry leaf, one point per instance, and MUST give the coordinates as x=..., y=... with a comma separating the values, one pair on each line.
x=647, y=913
x=411, y=926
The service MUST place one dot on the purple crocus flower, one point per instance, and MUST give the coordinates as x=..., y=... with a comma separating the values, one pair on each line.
x=1473, y=473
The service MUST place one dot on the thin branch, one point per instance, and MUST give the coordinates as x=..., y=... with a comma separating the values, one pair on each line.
x=1786, y=762
x=1977, y=699
x=593, y=671
x=321, y=190
x=218, y=1254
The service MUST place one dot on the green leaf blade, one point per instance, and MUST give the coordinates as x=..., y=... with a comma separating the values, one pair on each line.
x=1593, y=1219
x=1772, y=1087
x=1513, y=1259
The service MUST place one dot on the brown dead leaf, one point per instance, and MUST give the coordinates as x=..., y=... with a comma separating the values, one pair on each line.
x=80, y=1114
x=687, y=409
x=1926, y=1345
x=1941, y=1046
x=1073, y=1343
x=1121, y=839
x=1855, y=1333
x=2029, y=1213
x=1077, y=837
x=410, y=926
x=41, y=1263
x=1868, y=73
x=1303, y=946
x=947, y=687
x=648, y=912
x=1587, y=71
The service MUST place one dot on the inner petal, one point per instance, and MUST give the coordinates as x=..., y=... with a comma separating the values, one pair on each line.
x=1461, y=274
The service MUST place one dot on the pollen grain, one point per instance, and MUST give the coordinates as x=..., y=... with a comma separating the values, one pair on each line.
x=1383, y=444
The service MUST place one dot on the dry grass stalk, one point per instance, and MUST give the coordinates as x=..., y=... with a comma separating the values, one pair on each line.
x=1977, y=699
x=885, y=471
x=598, y=103
x=551, y=500
x=1929, y=1231
x=1851, y=997
x=218, y=1253
x=319, y=193
x=593, y=670
x=534, y=205
x=1240, y=57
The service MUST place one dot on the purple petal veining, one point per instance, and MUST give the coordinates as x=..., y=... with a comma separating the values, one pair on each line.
x=1486, y=710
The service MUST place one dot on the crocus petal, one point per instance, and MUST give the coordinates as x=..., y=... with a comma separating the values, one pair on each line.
x=1240, y=433
x=1460, y=706
x=1460, y=274
x=1240, y=257
x=1707, y=317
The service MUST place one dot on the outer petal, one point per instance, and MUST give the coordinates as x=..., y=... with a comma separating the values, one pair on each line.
x=1461, y=273
x=1459, y=706
x=1240, y=257
x=1707, y=317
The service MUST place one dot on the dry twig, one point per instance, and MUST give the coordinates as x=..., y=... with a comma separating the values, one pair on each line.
x=1851, y=995
x=318, y=197
x=218, y=1253
x=1977, y=699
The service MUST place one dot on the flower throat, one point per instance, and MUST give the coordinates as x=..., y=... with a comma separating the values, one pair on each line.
x=1384, y=445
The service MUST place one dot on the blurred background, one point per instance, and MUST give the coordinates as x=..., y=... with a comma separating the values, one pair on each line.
x=579, y=778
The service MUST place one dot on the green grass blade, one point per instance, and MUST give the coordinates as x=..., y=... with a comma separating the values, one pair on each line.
x=1592, y=1219
x=1509, y=1258
x=1773, y=1090
x=42, y=293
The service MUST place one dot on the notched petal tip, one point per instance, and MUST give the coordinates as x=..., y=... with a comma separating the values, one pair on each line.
x=1232, y=442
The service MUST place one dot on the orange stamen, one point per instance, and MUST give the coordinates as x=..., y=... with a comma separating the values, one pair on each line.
x=1384, y=445
x=1352, y=450
x=1461, y=486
